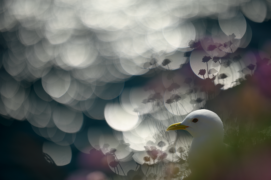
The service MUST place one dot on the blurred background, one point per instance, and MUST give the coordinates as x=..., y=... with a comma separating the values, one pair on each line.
x=89, y=87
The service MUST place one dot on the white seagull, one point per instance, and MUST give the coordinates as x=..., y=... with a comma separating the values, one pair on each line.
x=207, y=153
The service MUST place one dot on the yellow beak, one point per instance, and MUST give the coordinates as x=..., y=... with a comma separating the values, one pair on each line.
x=177, y=126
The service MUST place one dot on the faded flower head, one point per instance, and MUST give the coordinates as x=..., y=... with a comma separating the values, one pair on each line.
x=172, y=150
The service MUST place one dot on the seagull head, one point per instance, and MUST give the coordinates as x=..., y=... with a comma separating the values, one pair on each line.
x=200, y=123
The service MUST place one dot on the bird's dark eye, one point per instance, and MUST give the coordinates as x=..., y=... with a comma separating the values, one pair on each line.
x=195, y=120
